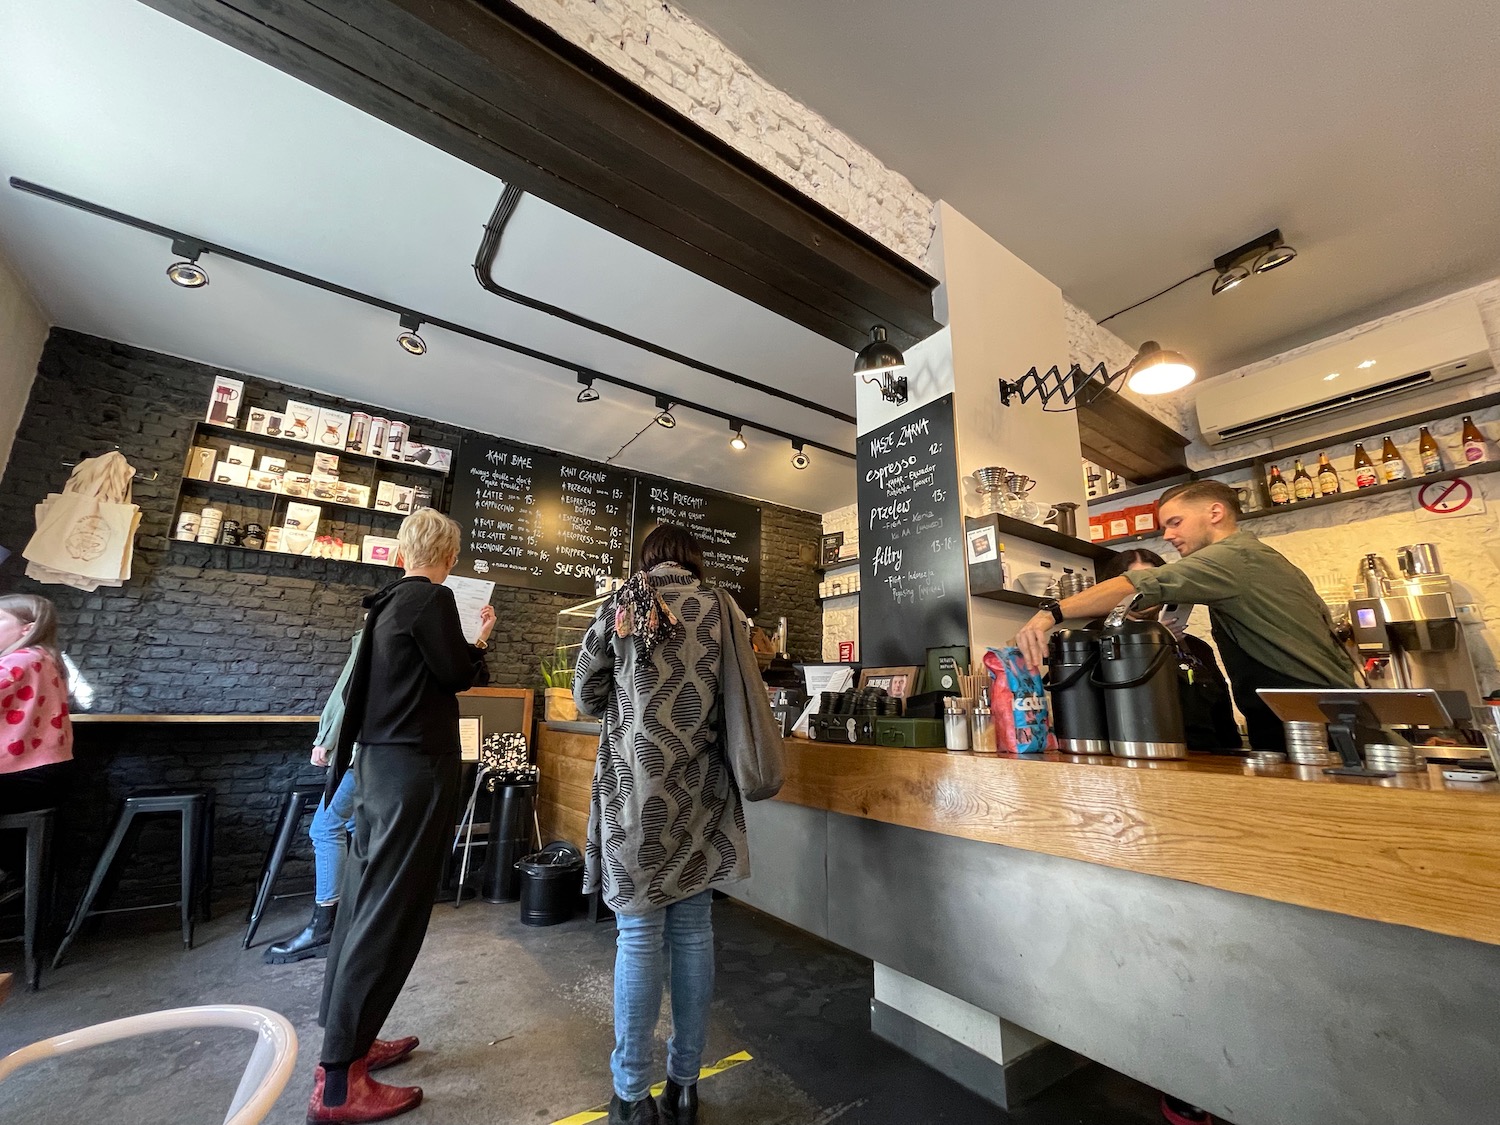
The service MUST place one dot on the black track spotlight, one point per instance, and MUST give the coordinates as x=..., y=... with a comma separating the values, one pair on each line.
x=1229, y=278
x=187, y=272
x=587, y=394
x=410, y=342
x=664, y=417
x=1274, y=258
x=800, y=460
x=738, y=441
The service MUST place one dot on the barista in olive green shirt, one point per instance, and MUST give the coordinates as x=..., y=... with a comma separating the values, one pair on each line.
x=1271, y=628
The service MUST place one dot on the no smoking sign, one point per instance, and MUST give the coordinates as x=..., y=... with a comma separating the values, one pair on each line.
x=1446, y=498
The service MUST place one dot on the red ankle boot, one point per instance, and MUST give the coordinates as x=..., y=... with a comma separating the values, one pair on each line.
x=368, y=1100
x=388, y=1052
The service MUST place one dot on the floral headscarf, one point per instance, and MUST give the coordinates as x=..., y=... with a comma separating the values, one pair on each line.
x=641, y=613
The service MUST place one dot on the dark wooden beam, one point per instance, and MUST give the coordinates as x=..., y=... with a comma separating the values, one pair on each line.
x=1118, y=434
x=498, y=89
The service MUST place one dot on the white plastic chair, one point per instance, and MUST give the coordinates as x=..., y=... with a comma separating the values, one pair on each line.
x=266, y=1074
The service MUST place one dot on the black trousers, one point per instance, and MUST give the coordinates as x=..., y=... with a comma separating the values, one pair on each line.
x=405, y=806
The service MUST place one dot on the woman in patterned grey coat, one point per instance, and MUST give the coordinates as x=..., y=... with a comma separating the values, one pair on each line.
x=665, y=820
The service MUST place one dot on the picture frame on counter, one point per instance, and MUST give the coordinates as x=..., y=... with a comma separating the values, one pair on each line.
x=832, y=543
x=900, y=682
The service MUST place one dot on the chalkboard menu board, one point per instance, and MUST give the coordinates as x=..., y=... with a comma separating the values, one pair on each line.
x=532, y=519
x=912, y=590
x=728, y=529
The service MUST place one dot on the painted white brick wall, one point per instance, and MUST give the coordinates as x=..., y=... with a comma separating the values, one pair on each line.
x=841, y=617
x=667, y=53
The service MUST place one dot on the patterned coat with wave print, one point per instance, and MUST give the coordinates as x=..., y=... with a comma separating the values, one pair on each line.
x=665, y=818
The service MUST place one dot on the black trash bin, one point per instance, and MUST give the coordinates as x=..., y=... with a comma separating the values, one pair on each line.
x=510, y=837
x=551, y=884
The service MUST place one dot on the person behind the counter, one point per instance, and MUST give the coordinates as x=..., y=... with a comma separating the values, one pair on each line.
x=1271, y=628
x=1207, y=717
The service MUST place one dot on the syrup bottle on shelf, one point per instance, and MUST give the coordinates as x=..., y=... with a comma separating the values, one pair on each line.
x=1328, y=477
x=1365, y=475
x=1392, y=467
x=1302, y=483
x=1430, y=453
x=1277, y=487
x=1476, y=447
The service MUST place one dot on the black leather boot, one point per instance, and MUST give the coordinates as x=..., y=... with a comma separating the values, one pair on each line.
x=679, y=1104
x=641, y=1112
x=311, y=942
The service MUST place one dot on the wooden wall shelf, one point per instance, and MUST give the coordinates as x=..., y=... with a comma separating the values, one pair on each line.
x=1118, y=434
x=1012, y=597
x=1011, y=528
x=1339, y=498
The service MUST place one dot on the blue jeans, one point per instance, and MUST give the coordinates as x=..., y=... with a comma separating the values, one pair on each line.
x=680, y=938
x=330, y=839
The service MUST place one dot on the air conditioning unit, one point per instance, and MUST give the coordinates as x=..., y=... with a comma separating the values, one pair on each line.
x=1391, y=359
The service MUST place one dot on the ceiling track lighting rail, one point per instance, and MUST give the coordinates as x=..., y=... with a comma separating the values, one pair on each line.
x=484, y=267
x=586, y=376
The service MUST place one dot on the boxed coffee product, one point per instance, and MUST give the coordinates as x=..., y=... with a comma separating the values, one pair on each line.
x=379, y=427
x=395, y=441
x=359, y=432
x=1096, y=529
x=333, y=428
x=1116, y=524
x=224, y=402
x=379, y=549
x=432, y=456
x=348, y=493
x=325, y=466
x=264, y=482
x=225, y=473
x=385, y=496
x=200, y=463
x=275, y=424
x=325, y=488
x=255, y=420
x=240, y=455
x=404, y=499
x=275, y=465
x=296, y=484
x=302, y=517
x=1142, y=517
x=421, y=497
x=301, y=420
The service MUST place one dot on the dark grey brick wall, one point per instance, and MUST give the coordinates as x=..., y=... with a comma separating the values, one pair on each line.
x=209, y=629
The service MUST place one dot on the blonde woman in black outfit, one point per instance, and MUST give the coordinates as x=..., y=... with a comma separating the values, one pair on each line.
x=400, y=708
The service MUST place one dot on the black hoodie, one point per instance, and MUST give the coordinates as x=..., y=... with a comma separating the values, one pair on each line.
x=412, y=662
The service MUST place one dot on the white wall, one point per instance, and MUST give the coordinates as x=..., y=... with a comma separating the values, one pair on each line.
x=23, y=332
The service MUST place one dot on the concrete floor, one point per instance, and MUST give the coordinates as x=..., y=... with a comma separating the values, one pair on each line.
x=516, y=1030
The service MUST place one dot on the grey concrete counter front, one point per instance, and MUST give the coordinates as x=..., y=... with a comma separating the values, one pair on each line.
x=1264, y=1012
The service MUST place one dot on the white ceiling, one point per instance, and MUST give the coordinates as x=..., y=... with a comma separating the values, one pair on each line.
x=1119, y=147
x=113, y=102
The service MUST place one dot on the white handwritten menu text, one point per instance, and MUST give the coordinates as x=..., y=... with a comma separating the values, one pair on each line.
x=533, y=519
x=913, y=594
x=729, y=530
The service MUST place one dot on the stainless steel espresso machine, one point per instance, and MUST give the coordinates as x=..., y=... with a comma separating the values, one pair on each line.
x=1407, y=628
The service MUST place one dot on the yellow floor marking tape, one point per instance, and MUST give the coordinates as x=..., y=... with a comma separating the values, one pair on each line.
x=601, y=1112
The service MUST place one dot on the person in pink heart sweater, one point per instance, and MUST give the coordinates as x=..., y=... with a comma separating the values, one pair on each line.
x=36, y=735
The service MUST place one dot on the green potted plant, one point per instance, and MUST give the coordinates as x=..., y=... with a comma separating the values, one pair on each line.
x=557, y=674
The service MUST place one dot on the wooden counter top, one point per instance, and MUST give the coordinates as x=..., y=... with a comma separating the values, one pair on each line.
x=1413, y=849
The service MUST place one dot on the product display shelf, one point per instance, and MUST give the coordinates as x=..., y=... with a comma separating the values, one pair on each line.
x=1365, y=433
x=246, y=437
x=1337, y=498
x=842, y=564
x=838, y=597
x=1011, y=597
x=282, y=555
x=1008, y=527
x=238, y=490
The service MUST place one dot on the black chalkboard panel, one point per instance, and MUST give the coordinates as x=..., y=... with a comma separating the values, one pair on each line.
x=912, y=590
x=533, y=519
x=729, y=530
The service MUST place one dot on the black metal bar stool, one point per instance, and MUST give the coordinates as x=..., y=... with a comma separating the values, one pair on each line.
x=37, y=825
x=195, y=807
x=300, y=801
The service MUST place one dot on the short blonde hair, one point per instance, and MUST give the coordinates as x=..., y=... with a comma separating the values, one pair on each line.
x=427, y=538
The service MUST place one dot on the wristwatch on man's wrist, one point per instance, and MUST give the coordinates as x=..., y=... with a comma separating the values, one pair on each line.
x=1054, y=607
